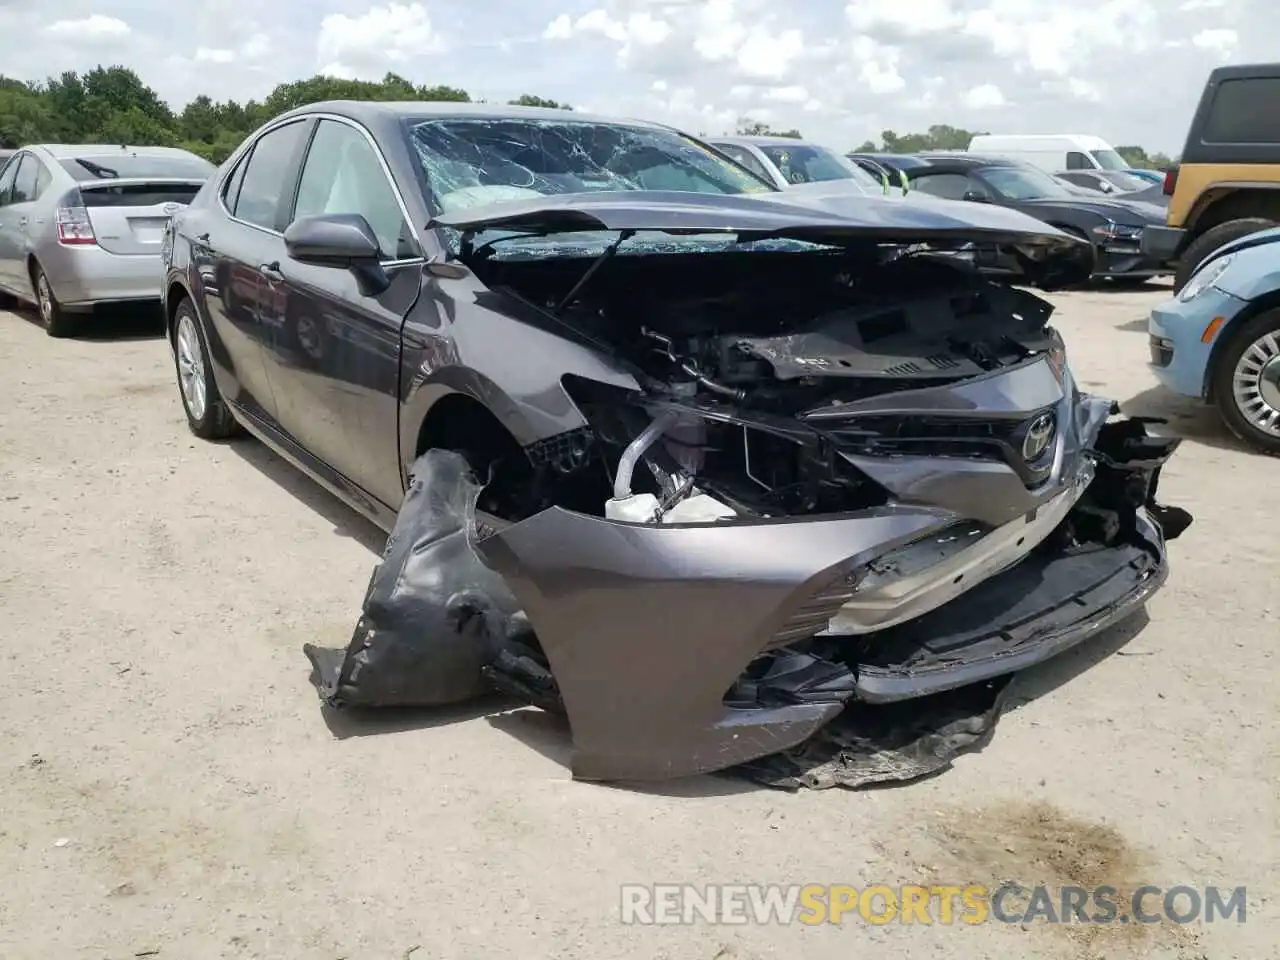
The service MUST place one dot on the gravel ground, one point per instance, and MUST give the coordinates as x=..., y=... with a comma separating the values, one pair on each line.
x=168, y=783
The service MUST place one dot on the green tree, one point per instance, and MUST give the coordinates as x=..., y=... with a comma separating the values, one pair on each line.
x=940, y=136
x=756, y=128
x=529, y=100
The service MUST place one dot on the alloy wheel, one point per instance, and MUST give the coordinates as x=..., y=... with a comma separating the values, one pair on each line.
x=45, y=296
x=191, y=367
x=1255, y=383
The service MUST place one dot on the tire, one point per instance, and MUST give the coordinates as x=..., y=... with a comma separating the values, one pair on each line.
x=57, y=322
x=1257, y=340
x=1209, y=241
x=208, y=415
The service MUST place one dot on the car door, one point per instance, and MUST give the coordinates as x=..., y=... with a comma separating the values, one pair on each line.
x=28, y=215
x=10, y=232
x=336, y=350
x=230, y=251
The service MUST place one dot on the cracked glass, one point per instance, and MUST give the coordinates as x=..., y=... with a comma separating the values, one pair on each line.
x=474, y=162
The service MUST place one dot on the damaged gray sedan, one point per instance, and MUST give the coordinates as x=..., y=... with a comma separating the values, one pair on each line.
x=691, y=461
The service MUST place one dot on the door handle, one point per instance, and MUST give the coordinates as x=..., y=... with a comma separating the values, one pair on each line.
x=272, y=271
x=22, y=221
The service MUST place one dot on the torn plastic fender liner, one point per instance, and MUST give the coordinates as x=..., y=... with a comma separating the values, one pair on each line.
x=647, y=628
x=434, y=614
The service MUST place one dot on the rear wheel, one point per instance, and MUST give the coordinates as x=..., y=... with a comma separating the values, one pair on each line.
x=1246, y=382
x=1209, y=241
x=56, y=320
x=208, y=415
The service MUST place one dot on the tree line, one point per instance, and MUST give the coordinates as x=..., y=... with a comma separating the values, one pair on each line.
x=113, y=105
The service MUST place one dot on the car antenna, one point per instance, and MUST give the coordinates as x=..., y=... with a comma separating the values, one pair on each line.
x=600, y=261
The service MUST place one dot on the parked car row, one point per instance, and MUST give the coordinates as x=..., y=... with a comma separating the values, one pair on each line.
x=1113, y=227
x=84, y=225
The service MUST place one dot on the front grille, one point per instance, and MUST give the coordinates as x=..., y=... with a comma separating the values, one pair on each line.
x=976, y=439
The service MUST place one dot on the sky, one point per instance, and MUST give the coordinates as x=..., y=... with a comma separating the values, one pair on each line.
x=1129, y=71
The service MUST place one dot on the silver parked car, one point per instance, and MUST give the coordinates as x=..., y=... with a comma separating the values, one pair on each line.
x=83, y=224
x=788, y=163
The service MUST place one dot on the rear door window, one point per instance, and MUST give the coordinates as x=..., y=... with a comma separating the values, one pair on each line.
x=342, y=174
x=24, y=185
x=270, y=175
x=1244, y=111
x=949, y=186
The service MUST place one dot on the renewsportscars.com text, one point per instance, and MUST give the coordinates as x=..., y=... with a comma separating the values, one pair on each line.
x=667, y=904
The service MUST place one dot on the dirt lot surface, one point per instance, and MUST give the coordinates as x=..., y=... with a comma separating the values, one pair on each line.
x=169, y=787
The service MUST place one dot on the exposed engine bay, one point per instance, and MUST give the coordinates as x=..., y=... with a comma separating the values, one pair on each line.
x=746, y=380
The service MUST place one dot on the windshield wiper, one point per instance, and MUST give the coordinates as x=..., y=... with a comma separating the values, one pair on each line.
x=97, y=169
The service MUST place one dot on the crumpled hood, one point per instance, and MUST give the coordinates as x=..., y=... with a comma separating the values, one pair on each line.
x=838, y=217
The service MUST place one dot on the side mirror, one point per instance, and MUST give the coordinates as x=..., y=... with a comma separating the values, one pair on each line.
x=976, y=197
x=332, y=240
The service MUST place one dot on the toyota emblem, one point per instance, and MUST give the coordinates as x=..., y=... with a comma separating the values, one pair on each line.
x=1038, y=437
x=171, y=208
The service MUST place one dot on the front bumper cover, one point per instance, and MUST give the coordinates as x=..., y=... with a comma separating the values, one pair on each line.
x=684, y=649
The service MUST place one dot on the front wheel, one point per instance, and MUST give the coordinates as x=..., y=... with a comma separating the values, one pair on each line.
x=1246, y=382
x=208, y=415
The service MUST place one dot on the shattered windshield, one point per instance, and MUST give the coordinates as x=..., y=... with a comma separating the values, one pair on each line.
x=472, y=162
x=1025, y=183
x=809, y=163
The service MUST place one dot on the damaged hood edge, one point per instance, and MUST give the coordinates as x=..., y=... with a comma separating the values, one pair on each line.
x=826, y=219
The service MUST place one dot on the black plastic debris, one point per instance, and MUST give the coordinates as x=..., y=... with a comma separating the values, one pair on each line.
x=434, y=615
x=890, y=743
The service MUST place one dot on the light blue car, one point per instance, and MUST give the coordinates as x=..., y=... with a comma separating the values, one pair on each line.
x=1219, y=338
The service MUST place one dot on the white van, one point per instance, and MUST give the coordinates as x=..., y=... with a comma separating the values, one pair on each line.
x=1051, y=152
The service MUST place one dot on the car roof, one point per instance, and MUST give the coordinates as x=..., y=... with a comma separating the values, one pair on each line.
x=370, y=111
x=765, y=141
x=70, y=151
x=970, y=160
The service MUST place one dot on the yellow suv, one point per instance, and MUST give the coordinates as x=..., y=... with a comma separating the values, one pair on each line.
x=1227, y=182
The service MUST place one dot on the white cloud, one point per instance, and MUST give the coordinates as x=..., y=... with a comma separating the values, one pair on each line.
x=1220, y=41
x=214, y=55
x=91, y=29
x=561, y=28
x=792, y=94
x=838, y=70
x=985, y=96
x=377, y=40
